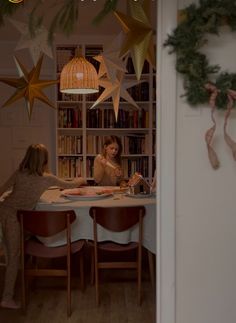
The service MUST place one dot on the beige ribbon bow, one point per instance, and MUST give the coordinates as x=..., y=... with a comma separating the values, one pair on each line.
x=210, y=132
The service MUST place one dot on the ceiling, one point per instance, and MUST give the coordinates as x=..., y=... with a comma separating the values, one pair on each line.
x=88, y=9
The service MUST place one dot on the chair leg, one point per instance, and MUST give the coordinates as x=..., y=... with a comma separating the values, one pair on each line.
x=81, y=264
x=23, y=289
x=96, y=275
x=68, y=291
x=151, y=267
x=96, y=285
x=92, y=268
x=139, y=278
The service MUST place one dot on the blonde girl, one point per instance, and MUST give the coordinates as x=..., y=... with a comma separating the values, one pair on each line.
x=25, y=187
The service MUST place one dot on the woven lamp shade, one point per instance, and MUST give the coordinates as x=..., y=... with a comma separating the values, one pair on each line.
x=78, y=77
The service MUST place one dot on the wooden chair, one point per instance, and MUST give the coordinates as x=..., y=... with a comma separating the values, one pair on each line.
x=117, y=219
x=45, y=224
x=3, y=260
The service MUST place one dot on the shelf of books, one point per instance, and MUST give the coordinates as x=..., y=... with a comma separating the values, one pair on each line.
x=81, y=130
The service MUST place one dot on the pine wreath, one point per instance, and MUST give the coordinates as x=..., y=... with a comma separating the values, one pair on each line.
x=202, y=81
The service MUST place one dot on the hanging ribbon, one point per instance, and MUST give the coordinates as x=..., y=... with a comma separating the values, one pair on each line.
x=210, y=132
x=230, y=142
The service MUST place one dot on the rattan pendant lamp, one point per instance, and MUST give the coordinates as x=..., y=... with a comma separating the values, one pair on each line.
x=78, y=76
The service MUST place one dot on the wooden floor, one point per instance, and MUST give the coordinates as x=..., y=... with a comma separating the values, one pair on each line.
x=118, y=292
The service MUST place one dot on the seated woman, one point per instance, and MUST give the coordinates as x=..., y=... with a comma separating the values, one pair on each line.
x=107, y=165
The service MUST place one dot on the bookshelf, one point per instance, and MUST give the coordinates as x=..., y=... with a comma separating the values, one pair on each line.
x=81, y=131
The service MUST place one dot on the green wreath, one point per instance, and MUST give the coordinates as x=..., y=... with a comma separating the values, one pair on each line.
x=200, y=79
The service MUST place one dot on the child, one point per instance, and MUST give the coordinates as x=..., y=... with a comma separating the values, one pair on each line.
x=27, y=184
x=107, y=166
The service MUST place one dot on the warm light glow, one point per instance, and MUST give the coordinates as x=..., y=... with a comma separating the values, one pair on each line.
x=78, y=76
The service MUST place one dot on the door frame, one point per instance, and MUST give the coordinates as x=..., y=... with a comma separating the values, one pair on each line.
x=166, y=165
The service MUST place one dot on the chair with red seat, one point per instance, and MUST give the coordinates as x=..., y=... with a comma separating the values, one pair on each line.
x=46, y=224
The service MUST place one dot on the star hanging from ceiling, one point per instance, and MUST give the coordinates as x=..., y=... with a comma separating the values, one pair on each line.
x=28, y=86
x=109, y=59
x=36, y=45
x=115, y=89
x=139, y=35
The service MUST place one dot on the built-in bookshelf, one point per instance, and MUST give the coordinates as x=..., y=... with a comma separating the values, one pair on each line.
x=81, y=130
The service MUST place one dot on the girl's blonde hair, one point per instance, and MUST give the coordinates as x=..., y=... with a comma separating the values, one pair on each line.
x=35, y=160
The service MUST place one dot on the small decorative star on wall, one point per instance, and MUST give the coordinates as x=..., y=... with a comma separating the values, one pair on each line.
x=28, y=86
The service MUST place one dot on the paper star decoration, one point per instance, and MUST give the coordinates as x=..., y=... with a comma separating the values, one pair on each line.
x=109, y=59
x=36, y=45
x=115, y=89
x=139, y=35
x=28, y=86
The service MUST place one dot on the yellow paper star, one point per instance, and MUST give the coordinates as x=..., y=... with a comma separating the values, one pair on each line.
x=115, y=89
x=139, y=35
x=28, y=86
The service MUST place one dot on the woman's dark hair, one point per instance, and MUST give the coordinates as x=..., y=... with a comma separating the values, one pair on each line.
x=35, y=160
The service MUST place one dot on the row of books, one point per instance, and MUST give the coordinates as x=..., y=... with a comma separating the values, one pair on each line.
x=154, y=144
x=69, y=144
x=130, y=166
x=139, y=92
x=154, y=116
x=73, y=144
x=132, y=144
x=127, y=118
x=69, y=118
x=70, y=167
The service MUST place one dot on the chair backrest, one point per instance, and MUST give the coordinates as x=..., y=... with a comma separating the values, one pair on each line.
x=117, y=219
x=45, y=223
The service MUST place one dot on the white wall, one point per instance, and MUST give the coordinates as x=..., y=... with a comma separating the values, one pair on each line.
x=205, y=202
x=17, y=132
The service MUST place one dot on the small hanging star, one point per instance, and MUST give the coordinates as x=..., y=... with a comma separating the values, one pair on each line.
x=28, y=86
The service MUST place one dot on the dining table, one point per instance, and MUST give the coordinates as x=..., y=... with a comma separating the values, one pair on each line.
x=82, y=227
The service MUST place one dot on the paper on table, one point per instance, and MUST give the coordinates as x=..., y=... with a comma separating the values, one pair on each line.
x=59, y=199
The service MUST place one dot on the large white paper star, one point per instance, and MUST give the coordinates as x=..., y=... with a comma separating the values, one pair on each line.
x=115, y=89
x=36, y=45
x=109, y=59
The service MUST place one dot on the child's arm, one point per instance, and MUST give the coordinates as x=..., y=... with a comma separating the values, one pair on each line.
x=8, y=184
